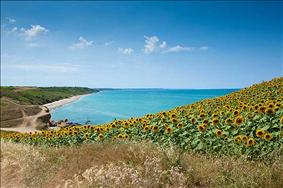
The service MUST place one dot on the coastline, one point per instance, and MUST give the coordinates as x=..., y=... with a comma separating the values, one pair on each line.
x=50, y=106
x=53, y=105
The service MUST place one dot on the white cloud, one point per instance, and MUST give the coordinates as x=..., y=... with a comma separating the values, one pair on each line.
x=32, y=45
x=108, y=43
x=163, y=44
x=83, y=43
x=15, y=29
x=11, y=20
x=203, y=48
x=126, y=51
x=34, y=31
x=150, y=44
x=179, y=48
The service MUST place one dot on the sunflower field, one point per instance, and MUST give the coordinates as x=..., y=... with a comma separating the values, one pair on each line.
x=246, y=122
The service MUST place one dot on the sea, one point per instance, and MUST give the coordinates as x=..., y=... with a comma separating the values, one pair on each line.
x=108, y=105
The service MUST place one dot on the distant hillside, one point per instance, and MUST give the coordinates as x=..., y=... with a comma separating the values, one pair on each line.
x=21, y=105
x=41, y=95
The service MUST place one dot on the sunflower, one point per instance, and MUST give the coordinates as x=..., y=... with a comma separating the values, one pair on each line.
x=236, y=112
x=244, y=107
x=120, y=136
x=173, y=116
x=262, y=109
x=201, y=128
x=244, y=138
x=180, y=125
x=276, y=109
x=238, y=139
x=218, y=132
x=256, y=107
x=281, y=119
x=260, y=133
x=269, y=111
x=125, y=136
x=202, y=115
x=155, y=128
x=267, y=136
x=174, y=120
x=215, y=121
x=100, y=136
x=146, y=128
x=270, y=105
x=205, y=121
x=193, y=120
x=169, y=130
x=86, y=135
x=239, y=120
x=228, y=121
x=214, y=116
x=250, y=142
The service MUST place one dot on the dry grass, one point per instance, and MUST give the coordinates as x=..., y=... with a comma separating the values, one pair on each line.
x=130, y=165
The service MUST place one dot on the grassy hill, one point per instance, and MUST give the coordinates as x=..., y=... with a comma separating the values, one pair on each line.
x=41, y=95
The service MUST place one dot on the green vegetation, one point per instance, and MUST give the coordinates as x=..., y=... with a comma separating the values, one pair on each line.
x=41, y=95
x=247, y=122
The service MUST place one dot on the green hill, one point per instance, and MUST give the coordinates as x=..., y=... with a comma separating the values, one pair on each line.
x=41, y=95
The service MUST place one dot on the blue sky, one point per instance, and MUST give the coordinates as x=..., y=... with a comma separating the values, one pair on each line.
x=141, y=44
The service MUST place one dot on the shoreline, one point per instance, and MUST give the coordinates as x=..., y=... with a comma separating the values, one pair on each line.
x=51, y=106
x=56, y=104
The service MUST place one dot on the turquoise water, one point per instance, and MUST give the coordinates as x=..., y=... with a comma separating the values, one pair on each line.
x=107, y=105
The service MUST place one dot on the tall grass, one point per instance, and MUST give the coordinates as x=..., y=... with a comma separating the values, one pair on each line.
x=130, y=165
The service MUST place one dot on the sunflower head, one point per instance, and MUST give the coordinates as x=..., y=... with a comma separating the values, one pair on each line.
x=193, y=120
x=205, y=121
x=270, y=105
x=100, y=136
x=267, y=136
x=146, y=128
x=218, y=132
x=173, y=116
x=244, y=138
x=155, y=128
x=260, y=133
x=239, y=120
x=262, y=109
x=214, y=116
x=236, y=112
x=215, y=121
x=202, y=115
x=169, y=130
x=120, y=136
x=174, y=120
x=228, y=121
x=180, y=125
x=250, y=142
x=238, y=139
x=125, y=136
x=269, y=111
x=201, y=128
x=281, y=119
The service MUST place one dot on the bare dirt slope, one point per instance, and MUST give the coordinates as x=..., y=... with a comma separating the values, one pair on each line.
x=23, y=118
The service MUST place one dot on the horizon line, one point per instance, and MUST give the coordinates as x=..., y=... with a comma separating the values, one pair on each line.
x=117, y=88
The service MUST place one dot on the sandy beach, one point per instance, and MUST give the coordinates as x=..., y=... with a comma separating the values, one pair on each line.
x=56, y=104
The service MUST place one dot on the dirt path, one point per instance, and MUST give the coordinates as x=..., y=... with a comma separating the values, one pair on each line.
x=29, y=122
